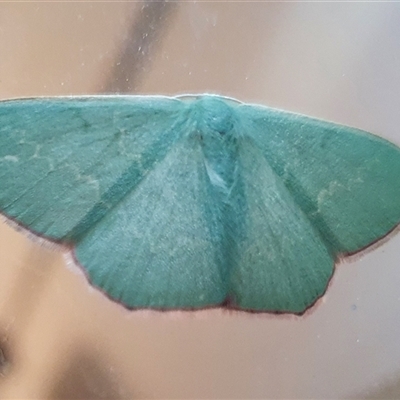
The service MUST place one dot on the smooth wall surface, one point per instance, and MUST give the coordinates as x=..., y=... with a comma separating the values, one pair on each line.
x=60, y=338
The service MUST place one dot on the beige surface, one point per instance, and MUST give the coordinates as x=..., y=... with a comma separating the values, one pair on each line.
x=62, y=339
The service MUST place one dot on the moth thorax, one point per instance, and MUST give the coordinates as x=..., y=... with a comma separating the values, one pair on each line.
x=214, y=116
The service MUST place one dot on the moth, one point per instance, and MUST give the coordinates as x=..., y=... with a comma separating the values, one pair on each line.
x=194, y=202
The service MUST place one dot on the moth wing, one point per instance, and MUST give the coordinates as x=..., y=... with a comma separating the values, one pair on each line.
x=344, y=180
x=282, y=263
x=77, y=155
x=159, y=247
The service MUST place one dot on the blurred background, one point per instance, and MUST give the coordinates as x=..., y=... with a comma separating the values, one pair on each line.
x=60, y=338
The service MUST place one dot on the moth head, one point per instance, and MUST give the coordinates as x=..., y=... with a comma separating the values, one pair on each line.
x=213, y=116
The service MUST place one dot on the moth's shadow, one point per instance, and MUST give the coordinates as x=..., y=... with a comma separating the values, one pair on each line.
x=85, y=375
x=387, y=391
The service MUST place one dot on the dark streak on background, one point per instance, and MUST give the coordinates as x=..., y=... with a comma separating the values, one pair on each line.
x=143, y=41
x=5, y=356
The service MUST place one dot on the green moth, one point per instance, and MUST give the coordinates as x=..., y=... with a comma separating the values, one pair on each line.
x=202, y=201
